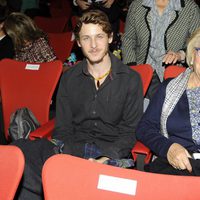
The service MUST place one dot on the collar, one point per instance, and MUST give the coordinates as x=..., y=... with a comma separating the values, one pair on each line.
x=173, y=4
x=2, y=37
x=178, y=84
x=116, y=65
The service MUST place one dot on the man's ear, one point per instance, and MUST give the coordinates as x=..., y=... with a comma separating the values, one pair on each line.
x=78, y=42
x=1, y=25
x=110, y=39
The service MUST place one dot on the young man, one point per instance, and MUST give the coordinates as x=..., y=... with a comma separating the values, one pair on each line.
x=99, y=104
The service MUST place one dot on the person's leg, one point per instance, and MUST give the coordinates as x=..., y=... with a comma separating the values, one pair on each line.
x=36, y=153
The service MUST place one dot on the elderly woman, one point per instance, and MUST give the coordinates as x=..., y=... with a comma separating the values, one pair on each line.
x=171, y=125
x=31, y=44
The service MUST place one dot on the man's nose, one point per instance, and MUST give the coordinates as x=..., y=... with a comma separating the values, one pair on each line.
x=93, y=43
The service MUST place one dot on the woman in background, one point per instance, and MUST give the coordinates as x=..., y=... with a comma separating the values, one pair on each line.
x=31, y=44
x=156, y=32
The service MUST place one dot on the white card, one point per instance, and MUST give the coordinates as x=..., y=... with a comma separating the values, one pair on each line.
x=116, y=184
x=32, y=66
x=196, y=156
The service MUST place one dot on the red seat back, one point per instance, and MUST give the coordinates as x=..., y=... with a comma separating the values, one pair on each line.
x=146, y=73
x=173, y=71
x=11, y=170
x=68, y=177
x=51, y=25
x=74, y=21
x=121, y=26
x=62, y=44
x=21, y=87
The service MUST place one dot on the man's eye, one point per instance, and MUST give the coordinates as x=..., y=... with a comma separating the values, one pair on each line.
x=100, y=36
x=85, y=38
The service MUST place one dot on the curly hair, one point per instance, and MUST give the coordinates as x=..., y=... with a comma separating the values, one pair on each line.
x=93, y=17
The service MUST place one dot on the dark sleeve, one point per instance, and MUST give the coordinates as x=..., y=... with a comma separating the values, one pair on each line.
x=7, y=53
x=148, y=130
x=7, y=48
x=129, y=38
x=132, y=112
x=194, y=19
x=63, y=122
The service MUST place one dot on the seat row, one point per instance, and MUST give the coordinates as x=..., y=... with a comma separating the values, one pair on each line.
x=67, y=177
x=32, y=85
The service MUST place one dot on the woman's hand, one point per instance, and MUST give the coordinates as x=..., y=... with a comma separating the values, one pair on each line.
x=107, y=3
x=99, y=160
x=172, y=57
x=83, y=4
x=178, y=156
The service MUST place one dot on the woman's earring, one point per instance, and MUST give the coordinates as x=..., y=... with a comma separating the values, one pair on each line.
x=191, y=65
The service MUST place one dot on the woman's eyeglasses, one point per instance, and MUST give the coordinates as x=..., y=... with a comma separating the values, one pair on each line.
x=198, y=50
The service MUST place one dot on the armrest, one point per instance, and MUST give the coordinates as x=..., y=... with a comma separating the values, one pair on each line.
x=43, y=131
x=140, y=148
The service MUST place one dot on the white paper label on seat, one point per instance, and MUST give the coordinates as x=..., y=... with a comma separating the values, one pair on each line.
x=196, y=156
x=32, y=67
x=115, y=184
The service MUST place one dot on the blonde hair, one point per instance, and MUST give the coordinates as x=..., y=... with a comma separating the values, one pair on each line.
x=194, y=41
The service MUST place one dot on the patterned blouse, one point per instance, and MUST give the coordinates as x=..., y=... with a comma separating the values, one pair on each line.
x=194, y=102
x=38, y=51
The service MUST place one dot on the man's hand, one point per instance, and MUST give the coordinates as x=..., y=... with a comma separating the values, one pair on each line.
x=100, y=160
x=178, y=156
x=172, y=57
x=83, y=4
x=107, y=3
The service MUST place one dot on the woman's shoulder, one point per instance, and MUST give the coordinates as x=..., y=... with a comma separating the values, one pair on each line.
x=136, y=6
x=191, y=4
x=41, y=43
x=41, y=40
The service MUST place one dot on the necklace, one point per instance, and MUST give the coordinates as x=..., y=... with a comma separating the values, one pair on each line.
x=101, y=77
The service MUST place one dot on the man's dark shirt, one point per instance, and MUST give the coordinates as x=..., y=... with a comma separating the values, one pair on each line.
x=106, y=117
